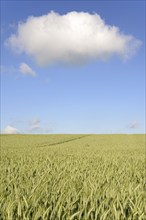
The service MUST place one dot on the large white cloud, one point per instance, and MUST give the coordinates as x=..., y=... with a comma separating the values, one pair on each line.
x=10, y=130
x=73, y=38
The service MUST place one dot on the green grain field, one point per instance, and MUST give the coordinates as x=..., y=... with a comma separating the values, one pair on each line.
x=72, y=177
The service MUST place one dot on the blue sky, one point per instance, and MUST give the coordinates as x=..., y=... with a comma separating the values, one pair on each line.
x=55, y=87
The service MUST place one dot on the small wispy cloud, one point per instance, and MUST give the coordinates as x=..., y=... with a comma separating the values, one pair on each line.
x=133, y=125
x=10, y=130
x=23, y=68
x=26, y=69
x=34, y=125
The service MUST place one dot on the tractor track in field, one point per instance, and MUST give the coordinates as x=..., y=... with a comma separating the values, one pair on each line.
x=61, y=142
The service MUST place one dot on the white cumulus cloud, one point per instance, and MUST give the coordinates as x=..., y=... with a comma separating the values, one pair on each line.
x=70, y=38
x=10, y=130
x=26, y=69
